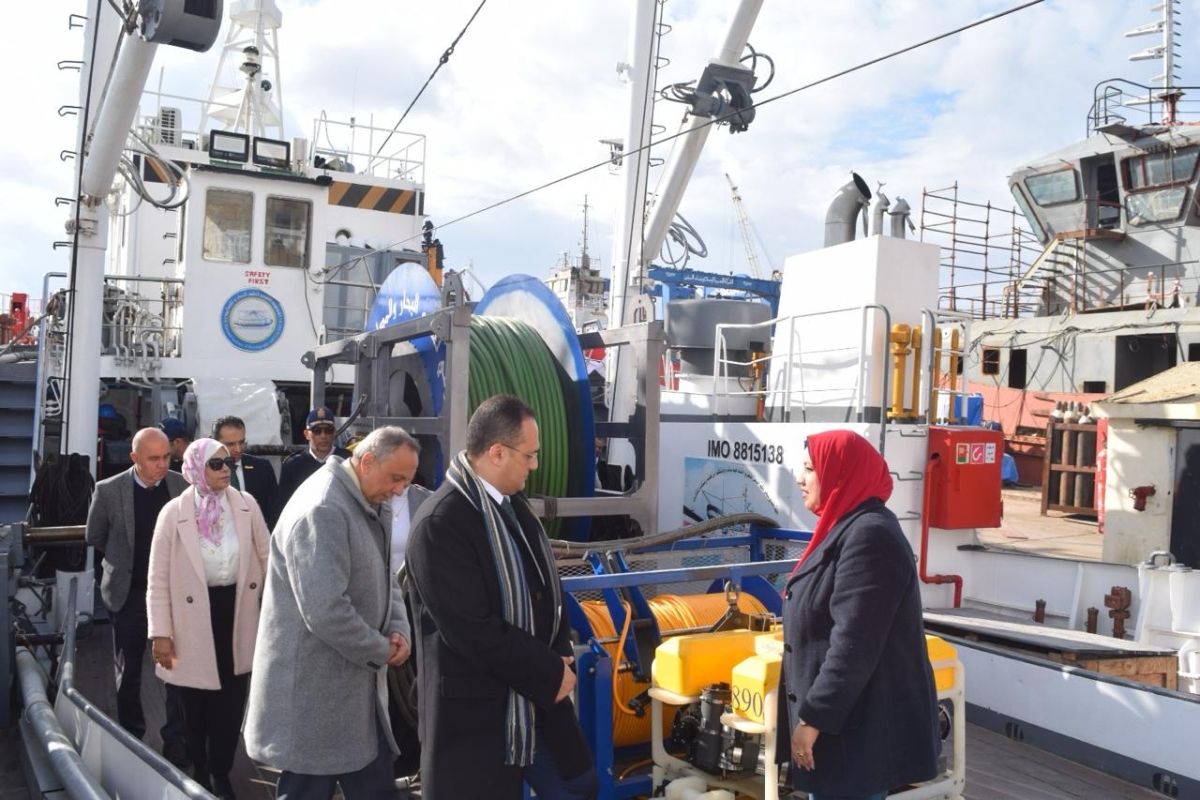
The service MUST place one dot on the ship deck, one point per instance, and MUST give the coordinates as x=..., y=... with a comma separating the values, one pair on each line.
x=1024, y=529
x=997, y=767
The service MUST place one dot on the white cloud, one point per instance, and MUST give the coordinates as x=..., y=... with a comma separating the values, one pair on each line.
x=532, y=88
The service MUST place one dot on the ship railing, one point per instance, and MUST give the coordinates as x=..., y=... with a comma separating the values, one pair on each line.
x=142, y=321
x=1117, y=102
x=1169, y=284
x=70, y=724
x=945, y=346
x=368, y=150
x=175, y=120
x=792, y=368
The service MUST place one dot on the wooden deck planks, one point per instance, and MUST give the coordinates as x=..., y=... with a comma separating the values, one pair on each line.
x=999, y=768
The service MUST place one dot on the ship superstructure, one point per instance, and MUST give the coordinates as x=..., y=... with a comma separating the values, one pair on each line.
x=235, y=247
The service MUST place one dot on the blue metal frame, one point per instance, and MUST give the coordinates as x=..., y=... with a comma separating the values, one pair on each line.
x=594, y=691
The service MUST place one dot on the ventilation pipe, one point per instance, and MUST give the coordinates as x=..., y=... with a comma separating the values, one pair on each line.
x=880, y=208
x=840, y=220
x=901, y=216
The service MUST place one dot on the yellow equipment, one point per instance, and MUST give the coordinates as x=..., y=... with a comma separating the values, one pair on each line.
x=691, y=672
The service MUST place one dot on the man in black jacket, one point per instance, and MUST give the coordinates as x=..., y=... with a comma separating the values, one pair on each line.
x=318, y=430
x=494, y=650
x=252, y=474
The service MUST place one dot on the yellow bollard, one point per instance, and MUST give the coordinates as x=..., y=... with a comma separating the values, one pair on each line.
x=917, y=333
x=954, y=344
x=901, y=337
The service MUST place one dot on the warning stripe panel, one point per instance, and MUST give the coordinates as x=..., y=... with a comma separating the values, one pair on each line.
x=376, y=198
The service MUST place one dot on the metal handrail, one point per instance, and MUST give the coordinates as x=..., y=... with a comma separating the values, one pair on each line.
x=935, y=352
x=66, y=688
x=68, y=765
x=721, y=362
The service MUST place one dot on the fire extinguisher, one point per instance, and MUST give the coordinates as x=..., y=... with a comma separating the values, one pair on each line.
x=1101, y=470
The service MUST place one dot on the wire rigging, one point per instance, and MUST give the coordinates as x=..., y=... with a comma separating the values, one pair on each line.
x=445, y=57
x=731, y=115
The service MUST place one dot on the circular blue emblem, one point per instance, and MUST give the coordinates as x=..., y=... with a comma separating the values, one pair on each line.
x=252, y=320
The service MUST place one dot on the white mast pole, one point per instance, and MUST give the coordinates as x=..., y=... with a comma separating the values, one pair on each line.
x=627, y=233
x=695, y=131
x=99, y=156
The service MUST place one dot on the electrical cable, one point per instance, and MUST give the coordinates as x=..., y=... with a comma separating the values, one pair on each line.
x=445, y=57
x=634, y=545
x=726, y=117
x=510, y=357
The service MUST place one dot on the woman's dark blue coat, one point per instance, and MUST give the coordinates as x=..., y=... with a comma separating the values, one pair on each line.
x=855, y=662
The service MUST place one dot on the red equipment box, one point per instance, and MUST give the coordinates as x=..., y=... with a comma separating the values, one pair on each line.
x=966, y=480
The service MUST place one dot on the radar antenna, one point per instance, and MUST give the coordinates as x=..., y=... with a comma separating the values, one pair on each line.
x=1167, y=52
x=251, y=103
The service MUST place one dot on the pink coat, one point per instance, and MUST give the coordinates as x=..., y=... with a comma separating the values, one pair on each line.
x=177, y=593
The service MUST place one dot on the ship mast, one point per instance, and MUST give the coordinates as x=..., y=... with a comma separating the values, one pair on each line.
x=253, y=105
x=1167, y=52
x=585, y=261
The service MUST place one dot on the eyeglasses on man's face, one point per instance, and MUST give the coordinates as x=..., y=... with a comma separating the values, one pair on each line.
x=215, y=464
x=322, y=430
x=530, y=457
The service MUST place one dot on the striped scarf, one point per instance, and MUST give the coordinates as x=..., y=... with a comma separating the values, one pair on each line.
x=514, y=596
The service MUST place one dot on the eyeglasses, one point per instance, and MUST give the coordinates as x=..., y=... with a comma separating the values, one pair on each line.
x=326, y=430
x=215, y=464
x=530, y=457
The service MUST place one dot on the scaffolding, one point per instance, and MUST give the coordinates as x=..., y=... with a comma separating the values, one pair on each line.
x=985, y=251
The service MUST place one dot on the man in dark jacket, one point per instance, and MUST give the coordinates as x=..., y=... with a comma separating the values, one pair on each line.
x=178, y=437
x=251, y=474
x=318, y=430
x=120, y=525
x=494, y=653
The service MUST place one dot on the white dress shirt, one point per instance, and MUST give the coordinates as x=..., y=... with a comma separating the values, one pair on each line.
x=400, y=526
x=220, y=560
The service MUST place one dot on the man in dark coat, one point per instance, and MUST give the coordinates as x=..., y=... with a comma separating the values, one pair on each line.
x=120, y=525
x=179, y=439
x=252, y=474
x=494, y=651
x=318, y=430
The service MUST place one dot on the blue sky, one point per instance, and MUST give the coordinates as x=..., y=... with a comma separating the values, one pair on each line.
x=532, y=89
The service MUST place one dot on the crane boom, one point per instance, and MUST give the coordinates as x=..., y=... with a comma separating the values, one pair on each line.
x=744, y=226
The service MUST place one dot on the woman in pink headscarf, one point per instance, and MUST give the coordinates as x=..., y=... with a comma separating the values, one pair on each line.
x=207, y=565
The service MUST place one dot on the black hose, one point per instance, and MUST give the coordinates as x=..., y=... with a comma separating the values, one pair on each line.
x=640, y=543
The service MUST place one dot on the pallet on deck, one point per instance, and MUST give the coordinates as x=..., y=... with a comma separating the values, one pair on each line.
x=1142, y=663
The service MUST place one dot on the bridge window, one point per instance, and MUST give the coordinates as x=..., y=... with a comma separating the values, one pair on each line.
x=1034, y=224
x=286, y=242
x=1157, y=205
x=1053, y=188
x=228, y=218
x=1160, y=169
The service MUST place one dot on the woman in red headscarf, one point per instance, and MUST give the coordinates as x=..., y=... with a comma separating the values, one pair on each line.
x=857, y=701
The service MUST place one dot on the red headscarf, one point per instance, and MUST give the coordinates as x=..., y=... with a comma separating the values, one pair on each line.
x=850, y=471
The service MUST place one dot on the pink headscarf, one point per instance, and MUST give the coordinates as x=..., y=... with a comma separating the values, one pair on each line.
x=194, y=458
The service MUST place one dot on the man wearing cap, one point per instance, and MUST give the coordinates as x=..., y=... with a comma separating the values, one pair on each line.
x=178, y=438
x=318, y=430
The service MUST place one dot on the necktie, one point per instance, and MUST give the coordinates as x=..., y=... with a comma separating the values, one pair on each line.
x=507, y=507
x=233, y=478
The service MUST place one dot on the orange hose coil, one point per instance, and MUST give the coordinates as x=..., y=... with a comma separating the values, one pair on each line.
x=673, y=613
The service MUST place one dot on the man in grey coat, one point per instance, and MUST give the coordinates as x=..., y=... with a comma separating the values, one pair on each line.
x=332, y=621
x=120, y=525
